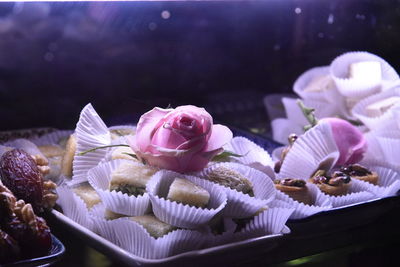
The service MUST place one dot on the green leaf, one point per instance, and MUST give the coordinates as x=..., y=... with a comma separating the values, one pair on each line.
x=99, y=147
x=224, y=156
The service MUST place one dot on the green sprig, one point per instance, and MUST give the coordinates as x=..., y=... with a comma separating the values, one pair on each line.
x=99, y=147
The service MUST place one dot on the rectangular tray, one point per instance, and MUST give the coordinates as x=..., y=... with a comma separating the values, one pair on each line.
x=234, y=252
x=347, y=225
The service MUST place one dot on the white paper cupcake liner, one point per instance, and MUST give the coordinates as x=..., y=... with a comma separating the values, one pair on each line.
x=386, y=119
x=358, y=88
x=316, y=148
x=388, y=181
x=105, y=228
x=252, y=155
x=242, y=205
x=359, y=192
x=24, y=144
x=117, y=141
x=269, y=222
x=325, y=109
x=135, y=239
x=374, y=150
x=277, y=152
x=282, y=128
x=52, y=138
x=73, y=206
x=293, y=111
x=213, y=240
x=390, y=148
x=301, y=210
x=90, y=132
x=100, y=176
x=178, y=214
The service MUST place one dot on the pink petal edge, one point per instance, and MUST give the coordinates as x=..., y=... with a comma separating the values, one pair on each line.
x=220, y=136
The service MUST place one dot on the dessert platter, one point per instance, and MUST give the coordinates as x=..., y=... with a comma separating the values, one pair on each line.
x=174, y=187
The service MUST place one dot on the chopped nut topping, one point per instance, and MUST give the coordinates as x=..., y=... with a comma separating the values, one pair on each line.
x=291, y=182
x=355, y=170
x=337, y=178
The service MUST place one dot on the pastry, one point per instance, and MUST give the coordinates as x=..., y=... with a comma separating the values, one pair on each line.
x=66, y=164
x=366, y=70
x=131, y=178
x=336, y=185
x=110, y=215
x=186, y=192
x=232, y=179
x=50, y=151
x=320, y=83
x=87, y=194
x=294, y=188
x=115, y=133
x=359, y=172
x=122, y=152
x=379, y=108
x=153, y=226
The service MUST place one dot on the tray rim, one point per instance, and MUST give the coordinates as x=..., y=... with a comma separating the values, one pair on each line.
x=128, y=257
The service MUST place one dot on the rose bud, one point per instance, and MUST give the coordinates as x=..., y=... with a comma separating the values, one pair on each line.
x=349, y=140
x=183, y=139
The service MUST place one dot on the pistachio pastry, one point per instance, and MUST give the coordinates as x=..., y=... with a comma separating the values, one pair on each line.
x=294, y=188
x=232, y=179
x=336, y=185
x=359, y=172
x=131, y=179
x=186, y=192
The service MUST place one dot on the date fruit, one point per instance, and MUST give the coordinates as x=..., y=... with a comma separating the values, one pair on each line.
x=19, y=172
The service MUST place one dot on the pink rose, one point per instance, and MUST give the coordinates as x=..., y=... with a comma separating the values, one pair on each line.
x=349, y=139
x=183, y=139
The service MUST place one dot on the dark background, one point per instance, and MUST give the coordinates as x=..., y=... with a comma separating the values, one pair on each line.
x=125, y=58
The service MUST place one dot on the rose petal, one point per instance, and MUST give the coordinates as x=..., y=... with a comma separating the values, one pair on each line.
x=220, y=136
x=146, y=125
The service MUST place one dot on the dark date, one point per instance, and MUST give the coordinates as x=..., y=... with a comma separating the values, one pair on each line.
x=19, y=172
x=9, y=249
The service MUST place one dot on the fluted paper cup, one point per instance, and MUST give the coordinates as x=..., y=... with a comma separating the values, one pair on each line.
x=374, y=150
x=100, y=176
x=134, y=238
x=359, y=191
x=91, y=132
x=277, y=152
x=178, y=214
x=73, y=206
x=24, y=144
x=375, y=122
x=53, y=138
x=251, y=155
x=316, y=149
x=301, y=210
x=359, y=88
x=242, y=205
x=105, y=228
x=282, y=128
x=390, y=146
x=388, y=181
